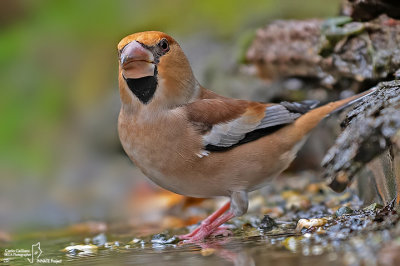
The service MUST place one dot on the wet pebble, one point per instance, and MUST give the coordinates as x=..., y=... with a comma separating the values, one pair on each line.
x=308, y=223
x=99, y=240
x=81, y=250
x=267, y=223
x=135, y=241
x=343, y=210
x=373, y=207
x=163, y=239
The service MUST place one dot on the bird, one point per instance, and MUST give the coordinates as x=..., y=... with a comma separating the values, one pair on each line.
x=194, y=142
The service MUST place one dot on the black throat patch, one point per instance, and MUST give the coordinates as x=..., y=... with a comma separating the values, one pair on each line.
x=144, y=88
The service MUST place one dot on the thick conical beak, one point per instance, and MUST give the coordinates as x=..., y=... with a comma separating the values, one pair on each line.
x=136, y=61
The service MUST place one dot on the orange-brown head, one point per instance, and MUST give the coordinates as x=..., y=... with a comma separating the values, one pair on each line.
x=153, y=70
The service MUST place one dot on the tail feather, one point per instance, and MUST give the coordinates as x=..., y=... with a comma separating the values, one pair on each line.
x=358, y=98
x=308, y=121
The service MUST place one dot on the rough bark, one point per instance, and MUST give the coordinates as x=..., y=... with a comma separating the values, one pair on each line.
x=370, y=9
x=336, y=52
x=372, y=128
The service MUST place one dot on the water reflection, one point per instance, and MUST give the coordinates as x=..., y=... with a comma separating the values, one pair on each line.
x=218, y=247
x=258, y=250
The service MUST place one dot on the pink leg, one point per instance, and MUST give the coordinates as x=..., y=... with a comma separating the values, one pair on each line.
x=210, y=219
x=207, y=230
x=221, y=231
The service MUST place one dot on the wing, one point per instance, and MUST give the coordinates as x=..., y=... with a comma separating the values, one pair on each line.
x=225, y=123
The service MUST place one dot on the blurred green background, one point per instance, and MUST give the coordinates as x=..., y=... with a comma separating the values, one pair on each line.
x=60, y=159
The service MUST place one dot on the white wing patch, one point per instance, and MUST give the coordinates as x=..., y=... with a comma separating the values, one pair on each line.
x=227, y=134
x=230, y=133
x=203, y=153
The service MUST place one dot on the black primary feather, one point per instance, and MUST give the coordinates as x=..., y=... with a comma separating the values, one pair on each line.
x=300, y=107
x=276, y=117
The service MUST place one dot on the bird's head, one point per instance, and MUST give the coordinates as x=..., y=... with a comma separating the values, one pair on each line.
x=153, y=70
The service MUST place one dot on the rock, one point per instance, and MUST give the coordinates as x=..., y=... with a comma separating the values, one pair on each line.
x=163, y=239
x=308, y=223
x=343, y=210
x=99, y=240
x=135, y=241
x=267, y=223
x=373, y=207
x=81, y=250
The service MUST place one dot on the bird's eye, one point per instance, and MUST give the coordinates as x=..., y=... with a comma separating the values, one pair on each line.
x=164, y=45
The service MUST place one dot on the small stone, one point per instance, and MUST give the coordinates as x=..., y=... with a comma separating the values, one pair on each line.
x=162, y=239
x=373, y=207
x=81, y=248
x=135, y=241
x=99, y=240
x=343, y=210
x=308, y=223
x=267, y=223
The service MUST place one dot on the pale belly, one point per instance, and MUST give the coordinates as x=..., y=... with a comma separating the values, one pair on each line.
x=172, y=162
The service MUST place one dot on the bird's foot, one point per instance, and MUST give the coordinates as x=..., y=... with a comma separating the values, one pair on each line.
x=211, y=226
x=222, y=231
x=205, y=231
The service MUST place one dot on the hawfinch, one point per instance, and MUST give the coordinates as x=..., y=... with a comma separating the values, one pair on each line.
x=194, y=142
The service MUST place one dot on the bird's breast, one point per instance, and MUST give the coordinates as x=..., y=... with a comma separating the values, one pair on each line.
x=164, y=148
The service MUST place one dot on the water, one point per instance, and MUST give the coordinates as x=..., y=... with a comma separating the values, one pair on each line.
x=238, y=250
x=349, y=235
